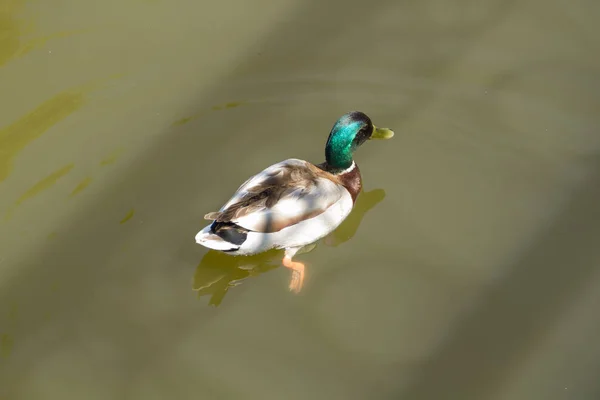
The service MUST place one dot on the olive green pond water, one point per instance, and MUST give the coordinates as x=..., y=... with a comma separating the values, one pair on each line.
x=469, y=269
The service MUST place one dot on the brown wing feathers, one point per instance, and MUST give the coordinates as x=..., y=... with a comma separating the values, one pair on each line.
x=279, y=183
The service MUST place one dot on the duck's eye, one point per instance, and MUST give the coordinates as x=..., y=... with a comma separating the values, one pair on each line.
x=363, y=134
x=367, y=131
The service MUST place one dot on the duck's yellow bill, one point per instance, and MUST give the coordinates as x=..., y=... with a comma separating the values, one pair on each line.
x=381, y=133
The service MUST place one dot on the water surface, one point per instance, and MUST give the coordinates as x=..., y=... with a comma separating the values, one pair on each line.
x=469, y=269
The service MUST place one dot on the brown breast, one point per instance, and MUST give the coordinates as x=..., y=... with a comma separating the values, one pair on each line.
x=352, y=181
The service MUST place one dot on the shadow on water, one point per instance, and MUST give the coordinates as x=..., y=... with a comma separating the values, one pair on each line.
x=219, y=272
x=493, y=340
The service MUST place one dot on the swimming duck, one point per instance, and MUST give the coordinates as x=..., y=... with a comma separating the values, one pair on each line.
x=294, y=203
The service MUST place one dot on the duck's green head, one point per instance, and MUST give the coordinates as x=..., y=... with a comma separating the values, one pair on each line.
x=347, y=134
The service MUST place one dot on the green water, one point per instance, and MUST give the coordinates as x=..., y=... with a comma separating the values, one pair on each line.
x=468, y=270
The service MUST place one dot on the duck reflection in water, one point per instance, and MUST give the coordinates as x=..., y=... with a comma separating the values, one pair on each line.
x=218, y=272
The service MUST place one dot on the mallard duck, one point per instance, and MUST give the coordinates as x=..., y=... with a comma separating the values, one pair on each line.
x=294, y=203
